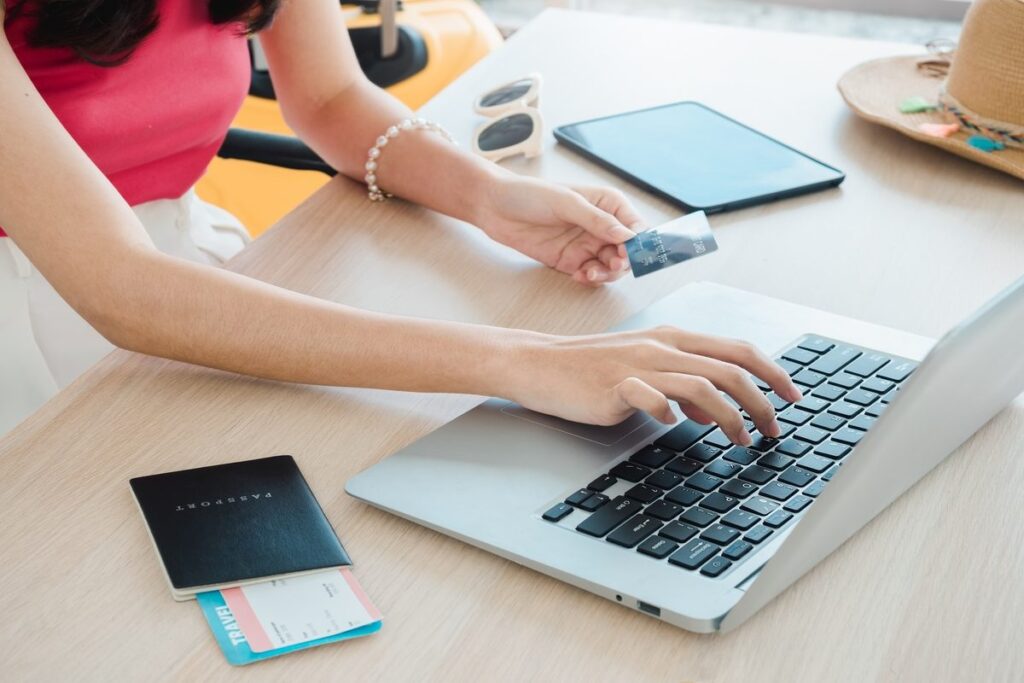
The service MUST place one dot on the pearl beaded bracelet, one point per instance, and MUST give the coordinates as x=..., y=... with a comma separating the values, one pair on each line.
x=372, y=157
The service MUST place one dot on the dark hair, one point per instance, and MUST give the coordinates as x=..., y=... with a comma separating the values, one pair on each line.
x=106, y=32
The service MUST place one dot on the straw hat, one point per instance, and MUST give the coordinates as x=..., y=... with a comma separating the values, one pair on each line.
x=969, y=101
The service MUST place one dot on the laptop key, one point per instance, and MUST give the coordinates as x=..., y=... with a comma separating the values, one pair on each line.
x=684, y=435
x=809, y=378
x=683, y=496
x=663, y=479
x=794, y=416
x=679, y=532
x=698, y=517
x=793, y=447
x=759, y=534
x=763, y=444
x=778, y=518
x=848, y=436
x=629, y=471
x=812, y=404
x=814, y=463
x=658, y=547
x=719, y=502
x=601, y=483
x=877, y=385
x=876, y=410
x=811, y=434
x=683, y=466
x=741, y=455
x=861, y=397
x=816, y=344
x=594, y=502
x=815, y=489
x=609, y=516
x=663, y=510
x=644, y=493
x=897, y=372
x=557, y=513
x=795, y=476
x=718, y=439
x=578, y=497
x=757, y=474
x=720, y=534
x=845, y=410
x=831, y=473
x=737, y=488
x=741, y=519
x=829, y=392
x=715, y=567
x=776, y=461
x=702, y=452
x=652, y=456
x=797, y=503
x=760, y=506
x=865, y=366
x=693, y=554
x=635, y=530
x=789, y=366
x=723, y=469
x=863, y=423
x=801, y=356
x=737, y=550
x=703, y=481
x=833, y=361
x=778, y=491
x=777, y=401
x=845, y=380
x=828, y=422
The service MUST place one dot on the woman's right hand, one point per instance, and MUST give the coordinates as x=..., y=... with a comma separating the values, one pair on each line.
x=603, y=379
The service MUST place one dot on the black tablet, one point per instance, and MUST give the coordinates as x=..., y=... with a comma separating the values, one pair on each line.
x=697, y=157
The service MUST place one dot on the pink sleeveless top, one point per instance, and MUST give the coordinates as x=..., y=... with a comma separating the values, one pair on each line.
x=152, y=124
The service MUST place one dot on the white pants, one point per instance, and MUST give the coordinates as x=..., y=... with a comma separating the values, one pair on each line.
x=45, y=345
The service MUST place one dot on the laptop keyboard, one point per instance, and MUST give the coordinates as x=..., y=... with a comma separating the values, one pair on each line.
x=697, y=501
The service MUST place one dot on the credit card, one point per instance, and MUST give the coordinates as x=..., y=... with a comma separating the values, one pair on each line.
x=265, y=619
x=669, y=244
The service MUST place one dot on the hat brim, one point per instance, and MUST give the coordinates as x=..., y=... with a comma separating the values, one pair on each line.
x=875, y=89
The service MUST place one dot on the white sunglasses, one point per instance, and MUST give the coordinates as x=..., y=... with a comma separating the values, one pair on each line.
x=515, y=125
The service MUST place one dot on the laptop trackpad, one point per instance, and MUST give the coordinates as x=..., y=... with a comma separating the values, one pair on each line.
x=605, y=436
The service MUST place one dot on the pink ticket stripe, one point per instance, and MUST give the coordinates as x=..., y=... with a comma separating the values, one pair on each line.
x=358, y=591
x=239, y=605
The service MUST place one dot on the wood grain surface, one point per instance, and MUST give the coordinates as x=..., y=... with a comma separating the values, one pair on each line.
x=915, y=238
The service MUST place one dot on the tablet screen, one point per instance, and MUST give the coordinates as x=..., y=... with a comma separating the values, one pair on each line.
x=698, y=157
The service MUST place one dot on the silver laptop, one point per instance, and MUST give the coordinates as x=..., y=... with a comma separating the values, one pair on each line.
x=678, y=523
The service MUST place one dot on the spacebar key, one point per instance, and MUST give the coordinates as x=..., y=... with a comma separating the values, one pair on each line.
x=609, y=516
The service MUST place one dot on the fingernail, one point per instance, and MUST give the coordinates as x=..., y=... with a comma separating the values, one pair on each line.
x=592, y=274
x=797, y=395
x=774, y=429
x=746, y=439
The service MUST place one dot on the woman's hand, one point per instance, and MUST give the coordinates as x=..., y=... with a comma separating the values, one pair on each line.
x=578, y=231
x=605, y=378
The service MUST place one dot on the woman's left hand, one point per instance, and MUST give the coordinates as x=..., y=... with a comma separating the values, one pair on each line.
x=576, y=231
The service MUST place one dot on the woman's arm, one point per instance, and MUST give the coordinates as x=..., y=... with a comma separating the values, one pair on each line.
x=327, y=100
x=87, y=242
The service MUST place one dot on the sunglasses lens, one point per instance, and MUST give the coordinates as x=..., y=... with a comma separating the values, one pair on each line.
x=506, y=132
x=509, y=93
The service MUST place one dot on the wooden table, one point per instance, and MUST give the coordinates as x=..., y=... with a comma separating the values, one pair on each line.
x=915, y=239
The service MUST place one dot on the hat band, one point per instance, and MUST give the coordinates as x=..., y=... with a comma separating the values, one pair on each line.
x=1007, y=133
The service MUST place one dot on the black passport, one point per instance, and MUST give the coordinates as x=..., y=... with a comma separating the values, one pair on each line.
x=238, y=523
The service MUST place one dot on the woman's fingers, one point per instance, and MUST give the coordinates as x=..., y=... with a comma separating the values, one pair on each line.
x=736, y=382
x=701, y=393
x=739, y=353
x=635, y=393
x=612, y=201
x=613, y=259
x=576, y=210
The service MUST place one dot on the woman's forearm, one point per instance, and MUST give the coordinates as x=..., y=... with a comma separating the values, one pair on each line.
x=184, y=311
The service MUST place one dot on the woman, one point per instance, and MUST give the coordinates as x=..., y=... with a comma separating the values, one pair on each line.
x=110, y=111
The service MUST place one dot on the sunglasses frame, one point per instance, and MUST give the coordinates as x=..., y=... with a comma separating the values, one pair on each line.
x=530, y=99
x=527, y=104
x=530, y=147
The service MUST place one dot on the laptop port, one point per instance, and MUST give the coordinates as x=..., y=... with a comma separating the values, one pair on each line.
x=650, y=609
